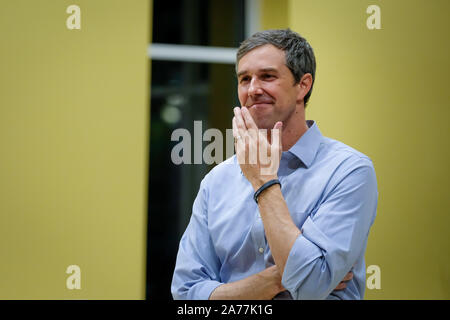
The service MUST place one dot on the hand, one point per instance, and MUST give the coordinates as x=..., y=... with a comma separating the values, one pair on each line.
x=263, y=285
x=342, y=285
x=259, y=159
x=272, y=275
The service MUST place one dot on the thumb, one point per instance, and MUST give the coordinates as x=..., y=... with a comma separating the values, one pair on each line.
x=278, y=126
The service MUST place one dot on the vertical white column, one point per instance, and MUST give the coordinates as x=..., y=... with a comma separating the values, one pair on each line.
x=252, y=17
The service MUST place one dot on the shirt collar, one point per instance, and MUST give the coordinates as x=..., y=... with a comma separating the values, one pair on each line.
x=307, y=146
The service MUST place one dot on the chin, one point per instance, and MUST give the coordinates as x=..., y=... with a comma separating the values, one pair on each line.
x=265, y=124
x=263, y=121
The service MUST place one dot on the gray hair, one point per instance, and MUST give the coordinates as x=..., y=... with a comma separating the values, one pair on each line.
x=299, y=54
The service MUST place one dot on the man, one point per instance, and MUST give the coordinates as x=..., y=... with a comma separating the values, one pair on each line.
x=294, y=225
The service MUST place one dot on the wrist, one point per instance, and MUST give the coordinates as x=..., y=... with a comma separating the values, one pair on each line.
x=259, y=181
x=264, y=187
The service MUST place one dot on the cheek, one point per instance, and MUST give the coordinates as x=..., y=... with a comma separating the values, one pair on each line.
x=242, y=96
x=284, y=94
x=273, y=90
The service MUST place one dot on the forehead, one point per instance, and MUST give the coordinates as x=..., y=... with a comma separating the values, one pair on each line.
x=263, y=57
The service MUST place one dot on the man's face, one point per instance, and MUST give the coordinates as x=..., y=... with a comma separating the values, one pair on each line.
x=266, y=86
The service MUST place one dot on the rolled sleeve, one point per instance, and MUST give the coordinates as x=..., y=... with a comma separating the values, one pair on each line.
x=333, y=238
x=202, y=290
x=300, y=262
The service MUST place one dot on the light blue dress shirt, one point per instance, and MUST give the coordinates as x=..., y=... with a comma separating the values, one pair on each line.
x=331, y=192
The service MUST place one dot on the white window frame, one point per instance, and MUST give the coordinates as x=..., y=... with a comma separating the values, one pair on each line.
x=207, y=54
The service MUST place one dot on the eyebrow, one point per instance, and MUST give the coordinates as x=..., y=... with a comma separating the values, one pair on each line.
x=268, y=69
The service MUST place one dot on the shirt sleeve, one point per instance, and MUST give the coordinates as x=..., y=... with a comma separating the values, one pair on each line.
x=332, y=239
x=197, y=267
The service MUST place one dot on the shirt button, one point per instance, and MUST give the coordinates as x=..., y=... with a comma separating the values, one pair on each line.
x=261, y=250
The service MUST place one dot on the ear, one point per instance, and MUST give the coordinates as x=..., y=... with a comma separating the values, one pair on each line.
x=304, y=86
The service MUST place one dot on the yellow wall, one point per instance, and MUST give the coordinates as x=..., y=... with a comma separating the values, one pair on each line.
x=74, y=148
x=385, y=92
x=274, y=14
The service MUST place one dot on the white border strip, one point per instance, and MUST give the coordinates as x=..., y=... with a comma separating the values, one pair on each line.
x=186, y=53
x=252, y=17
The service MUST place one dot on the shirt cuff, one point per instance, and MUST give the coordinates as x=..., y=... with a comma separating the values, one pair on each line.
x=203, y=290
x=299, y=262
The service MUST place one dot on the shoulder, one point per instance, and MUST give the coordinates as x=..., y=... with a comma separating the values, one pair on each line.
x=348, y=168
x=343, y=154
x=223, y=171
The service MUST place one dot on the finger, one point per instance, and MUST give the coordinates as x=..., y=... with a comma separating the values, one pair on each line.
x=348, y=276
x=240, y=125
x=238, y=136
x=234, y=127
x=239, y=120
x=278, y=126
x=238, y=143
x=276, y=138
x=341, y=286
x=252, y=128
x=249, y=122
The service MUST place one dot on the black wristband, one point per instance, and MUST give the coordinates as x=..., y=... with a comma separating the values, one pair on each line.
x=264, y=187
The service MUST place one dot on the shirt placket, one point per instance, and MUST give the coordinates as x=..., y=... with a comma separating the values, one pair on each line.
x=258, y=237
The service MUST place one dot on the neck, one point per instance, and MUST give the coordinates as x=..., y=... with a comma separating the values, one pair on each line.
x=291, y=135
x=293, y=128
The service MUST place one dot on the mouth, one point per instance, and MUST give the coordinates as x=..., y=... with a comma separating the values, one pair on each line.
x=260, y=104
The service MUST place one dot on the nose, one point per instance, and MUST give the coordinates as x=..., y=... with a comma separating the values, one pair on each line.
x=255, y=87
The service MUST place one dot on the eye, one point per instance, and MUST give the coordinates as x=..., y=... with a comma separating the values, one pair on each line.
x=267, y=76
x=244, y=79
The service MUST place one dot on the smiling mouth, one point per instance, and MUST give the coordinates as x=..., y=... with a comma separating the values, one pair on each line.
x=260, y=104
